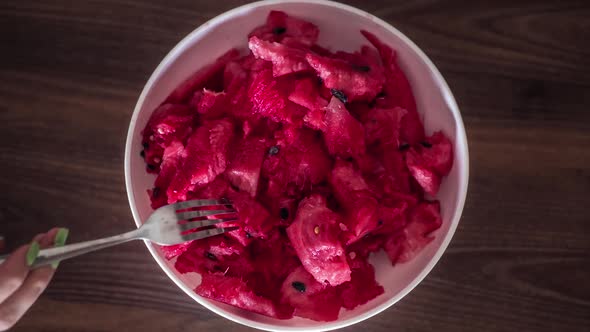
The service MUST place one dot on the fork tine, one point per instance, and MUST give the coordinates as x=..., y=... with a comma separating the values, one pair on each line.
x=207, y=233
x=202, y=223
x=202, y=213
x=199, y=203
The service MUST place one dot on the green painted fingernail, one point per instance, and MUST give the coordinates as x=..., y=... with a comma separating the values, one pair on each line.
x=32, y=253
x=60, y=240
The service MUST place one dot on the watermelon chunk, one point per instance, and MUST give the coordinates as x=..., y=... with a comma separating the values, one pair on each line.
x=285, y=60
x=382, y=127
x=387, y=174
x=345, y=179
x=430, y=161
x=314, y=235
x=280, y=25
x=213, y=190
x=168, y=123
x=201, y=77
x=244, y=168
x=254, y=218
x=171, y=160
x=309, y=298
x=269, y=98
x=274, y=260
x=398, y=92
x=219, y=254
x=299, y=163
x=205, y=156
x=354, y=197
x=234, y=291
x=210, y=104
x=426, y=178
x=344, y=135
x=355, y=82
x=436, y=152
x=306, y=93
x=362, y=286
x=423, y=220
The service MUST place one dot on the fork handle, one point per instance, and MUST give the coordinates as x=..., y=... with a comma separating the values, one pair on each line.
x=48, y=256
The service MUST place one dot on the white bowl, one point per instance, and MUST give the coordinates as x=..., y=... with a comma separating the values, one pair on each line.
x=339, y=29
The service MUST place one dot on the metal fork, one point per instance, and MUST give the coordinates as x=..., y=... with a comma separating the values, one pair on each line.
x=168, y=225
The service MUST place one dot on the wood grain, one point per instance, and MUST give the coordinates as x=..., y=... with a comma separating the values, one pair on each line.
x=70, y=74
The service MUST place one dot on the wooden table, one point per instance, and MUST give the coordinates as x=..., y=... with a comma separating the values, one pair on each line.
x=71, y=72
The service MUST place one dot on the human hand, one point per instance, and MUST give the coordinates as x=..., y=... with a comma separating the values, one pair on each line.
x=19, y=285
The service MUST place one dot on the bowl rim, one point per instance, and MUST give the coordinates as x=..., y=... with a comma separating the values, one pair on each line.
x=460, y=143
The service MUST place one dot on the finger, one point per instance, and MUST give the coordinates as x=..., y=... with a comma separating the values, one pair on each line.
x=14, y=270
x=17, y=304
x=48, y=239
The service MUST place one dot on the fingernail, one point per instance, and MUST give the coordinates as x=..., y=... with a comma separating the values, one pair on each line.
x=60, y=240
x=32, y=253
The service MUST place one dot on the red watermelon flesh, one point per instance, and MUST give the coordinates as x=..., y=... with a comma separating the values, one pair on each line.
x=244, y=167
x=285, y=60
x=398, y=92
x=360, y=205
x=423, y=220
x=234, y=291
x=200, y=79
x=299, y=162
x=322, y=153
x=253, y=217
x=213, y=190
x=389, y=175
x=426, y=178
x=269, y=98
x=314, y=235
x=205, y=156
x=382, y=127
x=280, y=25
x=354, y=81
x=344, y=135
x=171, y=160
x=216, y=254
x=436, y=153
x=362, y=286
x=309, y=298
x=169, y=122
x=307, y=94
x=210, y=104
x=274, y=260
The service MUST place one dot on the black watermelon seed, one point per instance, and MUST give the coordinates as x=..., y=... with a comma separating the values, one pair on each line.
x=381, y=94
x=404, y=146
x=284, y=213
x=279, y=30
x=339, y=94
x=380, y=222
x=248, y=235
x=151, y=167
x=210, y=256
x=155, y=192
x=299, y=286
x=146, y=145
x=426, y=144
x=365, y=69
x=320, y=81
x=142, y=153
x=273, y=150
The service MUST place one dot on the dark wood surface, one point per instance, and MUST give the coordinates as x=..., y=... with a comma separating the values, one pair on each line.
x=71, y=72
